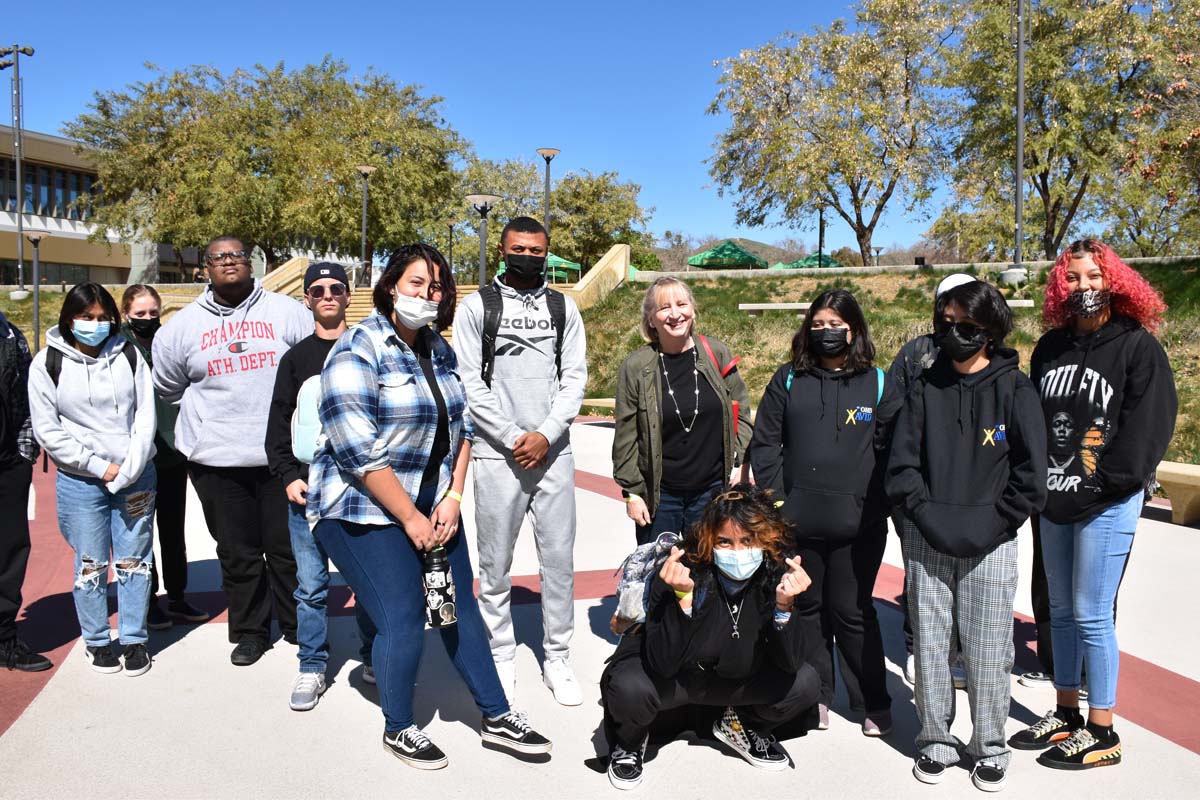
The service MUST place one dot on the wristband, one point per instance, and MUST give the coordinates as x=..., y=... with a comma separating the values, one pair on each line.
x=631, y=498
x=683, y=595
x=454, y=495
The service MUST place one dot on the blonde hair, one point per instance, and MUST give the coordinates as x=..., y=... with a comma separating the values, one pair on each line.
x=650, y=304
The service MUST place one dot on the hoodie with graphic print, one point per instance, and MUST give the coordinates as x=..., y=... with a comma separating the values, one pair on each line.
x=526, y=393
x=218, y=364
x=821, y=446
x=100, y=413
x=968, y=459
x=1110, y=403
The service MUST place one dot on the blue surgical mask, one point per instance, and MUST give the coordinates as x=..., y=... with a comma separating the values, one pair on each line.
x=738, y=564
x=91, y=332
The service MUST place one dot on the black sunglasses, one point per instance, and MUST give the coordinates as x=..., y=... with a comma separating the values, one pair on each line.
x=966, y=330
x=336, y=290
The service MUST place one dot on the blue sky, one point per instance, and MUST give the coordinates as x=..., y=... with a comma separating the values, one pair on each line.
x=615, y=85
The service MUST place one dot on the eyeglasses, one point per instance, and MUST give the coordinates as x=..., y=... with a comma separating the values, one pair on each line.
x=336, y=290
x=232, y=256
x=967, y=330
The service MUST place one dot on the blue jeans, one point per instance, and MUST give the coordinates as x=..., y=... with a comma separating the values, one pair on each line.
x=97, y=524
x=1085, y=562
x=677, y=512
x=384, y=569
x=312, y=592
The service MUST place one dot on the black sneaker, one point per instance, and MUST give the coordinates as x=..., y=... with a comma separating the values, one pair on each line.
x=184, y=611
x=512, y=732
x=414, y=748
x=103, y=659
x=927, y=770
x=137, y=660
x=15, y=654
x=1046, y=732
x=759, y=750
x=1082, y=750
x=625, y=767
x=247, y=652
x=156, y=618
x=988, y=777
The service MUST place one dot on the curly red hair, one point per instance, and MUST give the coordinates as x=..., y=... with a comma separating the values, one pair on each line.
x=1132, y=295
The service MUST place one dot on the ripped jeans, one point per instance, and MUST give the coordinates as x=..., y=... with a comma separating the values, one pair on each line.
x=98, y=525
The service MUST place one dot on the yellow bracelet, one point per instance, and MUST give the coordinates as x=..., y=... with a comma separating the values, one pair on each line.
x=455, y=495
x=631, y=498
x=683, y=595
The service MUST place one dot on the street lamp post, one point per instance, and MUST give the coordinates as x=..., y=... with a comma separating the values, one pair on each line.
x=1020, y=38
x=483, y=203
x=450, y=247
x=16, y=51
x=877, y=250
x=35, y=239
x=365, y=171
x=820, y=237
x=547, y=153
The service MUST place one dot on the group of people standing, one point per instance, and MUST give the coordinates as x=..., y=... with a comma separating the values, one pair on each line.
x=782, y=515
x=959, y=445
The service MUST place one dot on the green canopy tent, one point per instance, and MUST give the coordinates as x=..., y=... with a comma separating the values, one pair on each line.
x=557, y=269
x=727, y=255
x=781, y=265
x=813, y=261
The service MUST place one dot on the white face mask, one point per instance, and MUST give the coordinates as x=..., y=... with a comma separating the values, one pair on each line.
x=414, y=313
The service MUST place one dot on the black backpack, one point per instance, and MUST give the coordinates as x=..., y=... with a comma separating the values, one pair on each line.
x=493, y=310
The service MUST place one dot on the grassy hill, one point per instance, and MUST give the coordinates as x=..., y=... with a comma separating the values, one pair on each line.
x=898, y=307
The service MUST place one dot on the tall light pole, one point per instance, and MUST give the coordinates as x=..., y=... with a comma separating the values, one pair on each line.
x=877, y=250
x=16, y=51
x=483, y=203
x=547, y=153
x=365, y=171
x=35, y=239
x=450, y=246
x=1020, y=39
x=820, y=236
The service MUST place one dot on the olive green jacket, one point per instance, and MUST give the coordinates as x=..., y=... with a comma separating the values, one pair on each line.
x=637, y=440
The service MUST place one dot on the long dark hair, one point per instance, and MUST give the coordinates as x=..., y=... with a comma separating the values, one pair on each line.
x=983, y=303
x=82, y=297
x=398, y=262
x=862, y=350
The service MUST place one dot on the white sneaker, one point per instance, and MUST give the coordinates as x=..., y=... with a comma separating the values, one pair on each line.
x=910, y=670
x=559, y=676
x=307, y=691
x=507, y=672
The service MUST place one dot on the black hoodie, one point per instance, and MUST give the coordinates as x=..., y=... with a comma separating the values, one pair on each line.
x=968, y=460
x=820, y=447
x=1109, y=401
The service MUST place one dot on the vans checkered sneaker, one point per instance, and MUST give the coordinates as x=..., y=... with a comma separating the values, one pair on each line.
x=759, y=750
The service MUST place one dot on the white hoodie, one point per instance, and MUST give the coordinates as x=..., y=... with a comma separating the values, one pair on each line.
x=100, y=413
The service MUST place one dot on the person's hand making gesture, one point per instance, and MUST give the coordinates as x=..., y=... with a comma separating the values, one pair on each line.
x=794, y=582
x=678, y=577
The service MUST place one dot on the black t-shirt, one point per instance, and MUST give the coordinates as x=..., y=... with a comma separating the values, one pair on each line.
x=441, y=441
x=690, y=461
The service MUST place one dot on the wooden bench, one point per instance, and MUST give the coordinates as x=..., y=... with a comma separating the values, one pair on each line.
x=756, y=309
x=1020, y=303
x=1182, y=484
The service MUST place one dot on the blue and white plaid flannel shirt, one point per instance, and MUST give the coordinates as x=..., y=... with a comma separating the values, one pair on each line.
x=377, y=411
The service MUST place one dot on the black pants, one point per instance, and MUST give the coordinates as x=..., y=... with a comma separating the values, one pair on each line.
x=633, y=697
x=14, y=543
x=839, y=607
x=169, y=514
x=246, y=508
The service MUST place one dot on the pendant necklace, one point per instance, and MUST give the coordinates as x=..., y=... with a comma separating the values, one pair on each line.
x=735, y=614
x=671, y=392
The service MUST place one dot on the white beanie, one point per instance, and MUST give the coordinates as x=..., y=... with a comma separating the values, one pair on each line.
x=950, y=281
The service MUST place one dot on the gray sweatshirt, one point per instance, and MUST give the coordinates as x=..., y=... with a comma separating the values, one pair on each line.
x=100, y=413
x=218, y=365
x=526, y=394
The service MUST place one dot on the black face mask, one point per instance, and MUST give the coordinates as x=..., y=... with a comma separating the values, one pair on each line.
x=1088, y=304
x=828, y=342
x=145, y=328
x=959, y=347
x=525, y=267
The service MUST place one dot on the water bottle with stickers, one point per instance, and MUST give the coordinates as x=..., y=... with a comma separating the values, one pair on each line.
x=439, y=589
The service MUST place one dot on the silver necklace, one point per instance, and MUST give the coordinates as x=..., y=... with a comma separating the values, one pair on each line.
x=671, y=392
x=735, y=607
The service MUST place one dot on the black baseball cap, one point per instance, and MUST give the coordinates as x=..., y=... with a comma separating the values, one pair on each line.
x=325, y=269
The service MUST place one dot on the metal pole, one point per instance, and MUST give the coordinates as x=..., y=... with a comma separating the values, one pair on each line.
x=37, y=296
x=483, y=212
x=1020, y=176
x=450, y=249
x=366, y=179
x=16, y=92
x=546, y=201
x=821, y=237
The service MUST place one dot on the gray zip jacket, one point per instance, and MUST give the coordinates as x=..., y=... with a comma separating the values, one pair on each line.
x=526, y=393
x=100, y=413
x=218, y=365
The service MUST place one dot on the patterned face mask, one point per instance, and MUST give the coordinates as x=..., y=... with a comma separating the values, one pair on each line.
x=1088, y=304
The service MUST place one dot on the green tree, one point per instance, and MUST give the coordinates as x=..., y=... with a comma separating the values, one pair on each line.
x=589, y=213
x=268, y=154
x=1087, y=65
x=841, y=118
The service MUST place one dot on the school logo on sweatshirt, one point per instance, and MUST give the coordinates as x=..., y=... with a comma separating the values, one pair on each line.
x=993, y=435
x=859, y=414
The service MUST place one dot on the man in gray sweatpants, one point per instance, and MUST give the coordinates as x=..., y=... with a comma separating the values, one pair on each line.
x=521, y=457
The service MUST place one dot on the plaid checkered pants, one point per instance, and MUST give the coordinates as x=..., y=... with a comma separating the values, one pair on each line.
x=977, y=592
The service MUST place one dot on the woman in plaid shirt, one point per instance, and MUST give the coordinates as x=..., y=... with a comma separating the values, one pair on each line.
x=385, y=488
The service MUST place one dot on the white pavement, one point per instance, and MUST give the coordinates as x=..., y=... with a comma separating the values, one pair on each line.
x=195, y=726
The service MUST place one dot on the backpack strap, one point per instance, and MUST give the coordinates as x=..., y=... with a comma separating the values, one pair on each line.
x=791, y=376
x=131, y=355
x=880, y=376
x=722, y=371
x=557, y=304
x=54, y=360
x=493, y=309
